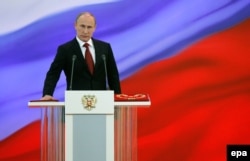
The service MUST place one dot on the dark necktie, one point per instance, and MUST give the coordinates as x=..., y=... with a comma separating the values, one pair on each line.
x=88, y=58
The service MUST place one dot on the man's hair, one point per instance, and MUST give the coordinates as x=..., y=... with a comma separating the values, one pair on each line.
x=87, y=14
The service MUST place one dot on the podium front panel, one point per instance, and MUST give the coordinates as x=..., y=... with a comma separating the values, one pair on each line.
x=89, y=127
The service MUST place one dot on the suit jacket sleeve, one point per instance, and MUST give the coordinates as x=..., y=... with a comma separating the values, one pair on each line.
x=54, y=73
x=113, y=74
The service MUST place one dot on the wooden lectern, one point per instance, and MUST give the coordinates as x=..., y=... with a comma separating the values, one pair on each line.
x=91, y=126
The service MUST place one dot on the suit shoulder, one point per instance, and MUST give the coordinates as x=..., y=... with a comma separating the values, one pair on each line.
x=68, y=44
x=101, y=42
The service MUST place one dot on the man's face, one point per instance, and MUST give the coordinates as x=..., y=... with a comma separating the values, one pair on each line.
x=85, y=27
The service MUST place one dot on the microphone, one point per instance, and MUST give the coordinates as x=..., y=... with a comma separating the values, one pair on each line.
x=105, y=67
x=72, y=71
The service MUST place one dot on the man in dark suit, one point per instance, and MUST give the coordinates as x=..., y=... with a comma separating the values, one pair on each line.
x=74, y=53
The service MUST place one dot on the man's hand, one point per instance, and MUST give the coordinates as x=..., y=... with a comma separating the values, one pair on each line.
x=48, y=98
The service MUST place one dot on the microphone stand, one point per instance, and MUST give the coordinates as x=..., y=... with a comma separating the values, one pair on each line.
x=106, y=73
x=72, y=71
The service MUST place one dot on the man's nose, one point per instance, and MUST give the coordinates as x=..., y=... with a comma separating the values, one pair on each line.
x=85, y=30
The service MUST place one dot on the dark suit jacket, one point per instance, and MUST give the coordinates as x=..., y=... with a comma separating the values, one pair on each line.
x=82, y=79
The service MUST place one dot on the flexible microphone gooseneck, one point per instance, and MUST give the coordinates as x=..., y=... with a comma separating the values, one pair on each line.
x=72, y=71
x=105, y=67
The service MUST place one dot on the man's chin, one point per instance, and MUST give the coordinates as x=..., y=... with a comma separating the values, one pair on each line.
x=85, y=39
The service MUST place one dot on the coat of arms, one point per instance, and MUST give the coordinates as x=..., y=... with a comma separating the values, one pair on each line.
x=89, y=101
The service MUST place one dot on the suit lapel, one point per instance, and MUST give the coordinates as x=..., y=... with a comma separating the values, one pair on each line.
x=98, y=53
x=76, y=49
x=78, y=52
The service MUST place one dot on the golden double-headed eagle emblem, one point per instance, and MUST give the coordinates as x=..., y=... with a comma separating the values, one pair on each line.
x=89, y=101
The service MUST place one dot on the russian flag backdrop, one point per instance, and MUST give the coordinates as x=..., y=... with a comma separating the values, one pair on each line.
x=192, y=58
